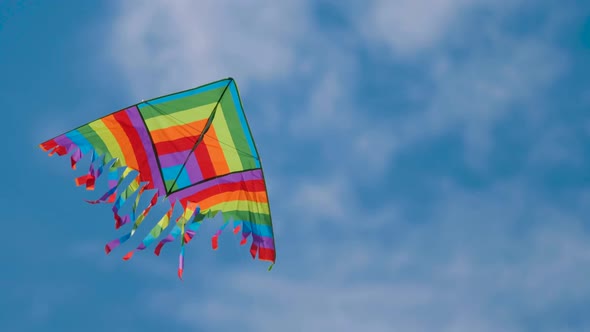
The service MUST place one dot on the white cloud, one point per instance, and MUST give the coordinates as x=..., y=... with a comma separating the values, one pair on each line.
x=283, y=43
x=480, y=74
x=375, y=147
x=168, y=45
x=44, y=300
x=412, y=27
x=476, y=95
x=408, y=26
x=323, y=199
x=556, y=145
x=328, y=108
x=264, y=43
x=472, y=95
x=476, y=260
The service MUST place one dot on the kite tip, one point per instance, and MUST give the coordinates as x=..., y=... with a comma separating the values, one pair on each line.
x=180, y=274
x=107, y=249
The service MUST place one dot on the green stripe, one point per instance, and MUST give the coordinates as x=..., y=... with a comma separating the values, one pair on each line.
x=253, y=217
x=256, y=218
x=99, y=146
x=95, y=140
x=180, y=118
x=177, y=105
x=237, y=132
x=224, y=136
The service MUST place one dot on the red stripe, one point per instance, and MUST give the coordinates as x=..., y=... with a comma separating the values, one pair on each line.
x=60, y=150
x=48, y=145
x=204, y=160
x=181, y=144
x=145, y=172
x=250, y=186
x=253, y=249
x=267, y=254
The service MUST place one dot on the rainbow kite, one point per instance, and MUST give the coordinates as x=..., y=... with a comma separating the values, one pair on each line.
x=192, y=147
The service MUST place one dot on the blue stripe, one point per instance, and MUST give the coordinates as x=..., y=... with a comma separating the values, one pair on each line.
x=171, y=172
x=261, y=230
x=183, y=179
x=188, y=93
x=80, y=141
x=195, y=226
x=240, y=111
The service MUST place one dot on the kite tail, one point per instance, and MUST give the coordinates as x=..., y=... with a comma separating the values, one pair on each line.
x=132, y=188
x=114, y=181
x=191, y=209
x=215, y=238
x=76, y=156
x=163, y=224
x=181, y=260
x=52, y=148
x=188, y=233
x=155, y=232
x=181, y=253
x=177, y=230
x=117, y=242
x=260, y=246
x=89, y=179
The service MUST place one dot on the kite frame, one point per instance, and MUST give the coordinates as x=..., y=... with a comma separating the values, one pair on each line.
x=230, y=80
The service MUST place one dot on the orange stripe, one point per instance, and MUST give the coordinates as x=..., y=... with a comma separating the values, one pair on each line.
x=259, y=197
x=126, y=148
x=175, y=132
x=215, y=152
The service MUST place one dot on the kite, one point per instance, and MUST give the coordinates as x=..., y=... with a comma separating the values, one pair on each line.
x=193, y=149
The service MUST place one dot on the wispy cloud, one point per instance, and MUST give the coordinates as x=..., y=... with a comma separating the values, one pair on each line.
x=409, y=27
x=478, y=75
x=454, y=258
x=165, y=45
x=469, y=267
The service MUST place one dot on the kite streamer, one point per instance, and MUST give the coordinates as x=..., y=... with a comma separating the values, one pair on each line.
x=192, y=148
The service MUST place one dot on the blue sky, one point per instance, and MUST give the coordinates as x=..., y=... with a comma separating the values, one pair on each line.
x=427, y=164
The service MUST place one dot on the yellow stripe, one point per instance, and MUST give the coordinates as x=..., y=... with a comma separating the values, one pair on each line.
x=178, y=118
x=223, y=135
x=190, y=209
x=108, y=139
x=162, y=225
x=133, y=185
x=239, y=205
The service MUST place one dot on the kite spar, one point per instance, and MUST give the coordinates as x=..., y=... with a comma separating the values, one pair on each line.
x=192, y=148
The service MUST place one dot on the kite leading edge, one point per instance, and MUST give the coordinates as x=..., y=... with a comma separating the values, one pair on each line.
x=192, y=148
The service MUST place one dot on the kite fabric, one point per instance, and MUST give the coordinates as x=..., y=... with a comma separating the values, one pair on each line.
x=192, y=148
